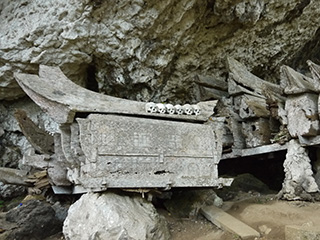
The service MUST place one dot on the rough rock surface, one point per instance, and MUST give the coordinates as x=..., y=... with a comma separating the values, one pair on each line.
x=299, y=181
x=35, y=220
x=111, y=216
x=187, y=203
x=244, y=183
x=164, y=51
x=153, y=49
x=302, y=113
x=13, y=143
x=8, y=191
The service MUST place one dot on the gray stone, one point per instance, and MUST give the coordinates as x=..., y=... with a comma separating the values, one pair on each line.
x=243, y=183
x=112, y=216
x=299, y=181
x=186, y=203
x=301, y=232
x=9, y=191
x=61, y=211
x=315, y=71
x=1, y=131
x=148, y=51
x=316, y=167
x=302, y=113
x=36, y=220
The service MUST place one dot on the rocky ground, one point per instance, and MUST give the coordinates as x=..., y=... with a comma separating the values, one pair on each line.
x=262, y=211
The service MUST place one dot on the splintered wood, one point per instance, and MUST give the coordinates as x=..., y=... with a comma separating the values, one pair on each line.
x=39, y=180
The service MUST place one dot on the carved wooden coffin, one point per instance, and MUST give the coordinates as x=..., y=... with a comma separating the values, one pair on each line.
x=122, y=143
x=131, y=152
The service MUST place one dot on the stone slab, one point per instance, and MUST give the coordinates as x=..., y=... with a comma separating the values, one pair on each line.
x=227, y=222
x=130, y=152
x=302, y=232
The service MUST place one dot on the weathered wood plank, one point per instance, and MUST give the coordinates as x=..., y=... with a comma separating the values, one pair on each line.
x=255, y=151
x=251, y=82
x=210, y=82
x=130, y=152
x=253, y=107
x=227, y=222
x=62, y=98
x=37, y=137
x=14, y=176
x=315, y=71
x=294, y=82
x=257, y=132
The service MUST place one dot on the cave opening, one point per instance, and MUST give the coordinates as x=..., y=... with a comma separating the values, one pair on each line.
x=91, y=82
x=268, y=168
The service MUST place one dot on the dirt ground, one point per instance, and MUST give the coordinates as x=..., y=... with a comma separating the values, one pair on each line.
x=263, y=213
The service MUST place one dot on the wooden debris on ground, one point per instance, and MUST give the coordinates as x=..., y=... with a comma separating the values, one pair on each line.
x=227, y=222
x=39, y=180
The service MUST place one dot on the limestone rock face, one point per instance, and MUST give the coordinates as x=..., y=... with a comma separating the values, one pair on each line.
x=111, y=216
x=152, y=49
x=13, y=143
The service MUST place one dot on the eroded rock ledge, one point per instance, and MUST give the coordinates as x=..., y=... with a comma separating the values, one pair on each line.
x=153, y=50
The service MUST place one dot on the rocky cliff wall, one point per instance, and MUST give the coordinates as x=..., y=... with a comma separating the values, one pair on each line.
x=153, y=50
x=162, y=51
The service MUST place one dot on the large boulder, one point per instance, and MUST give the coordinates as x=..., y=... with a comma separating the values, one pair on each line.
x=111, y=216
x=34, y=219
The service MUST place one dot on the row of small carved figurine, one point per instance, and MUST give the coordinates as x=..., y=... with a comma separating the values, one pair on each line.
x=170, y=109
